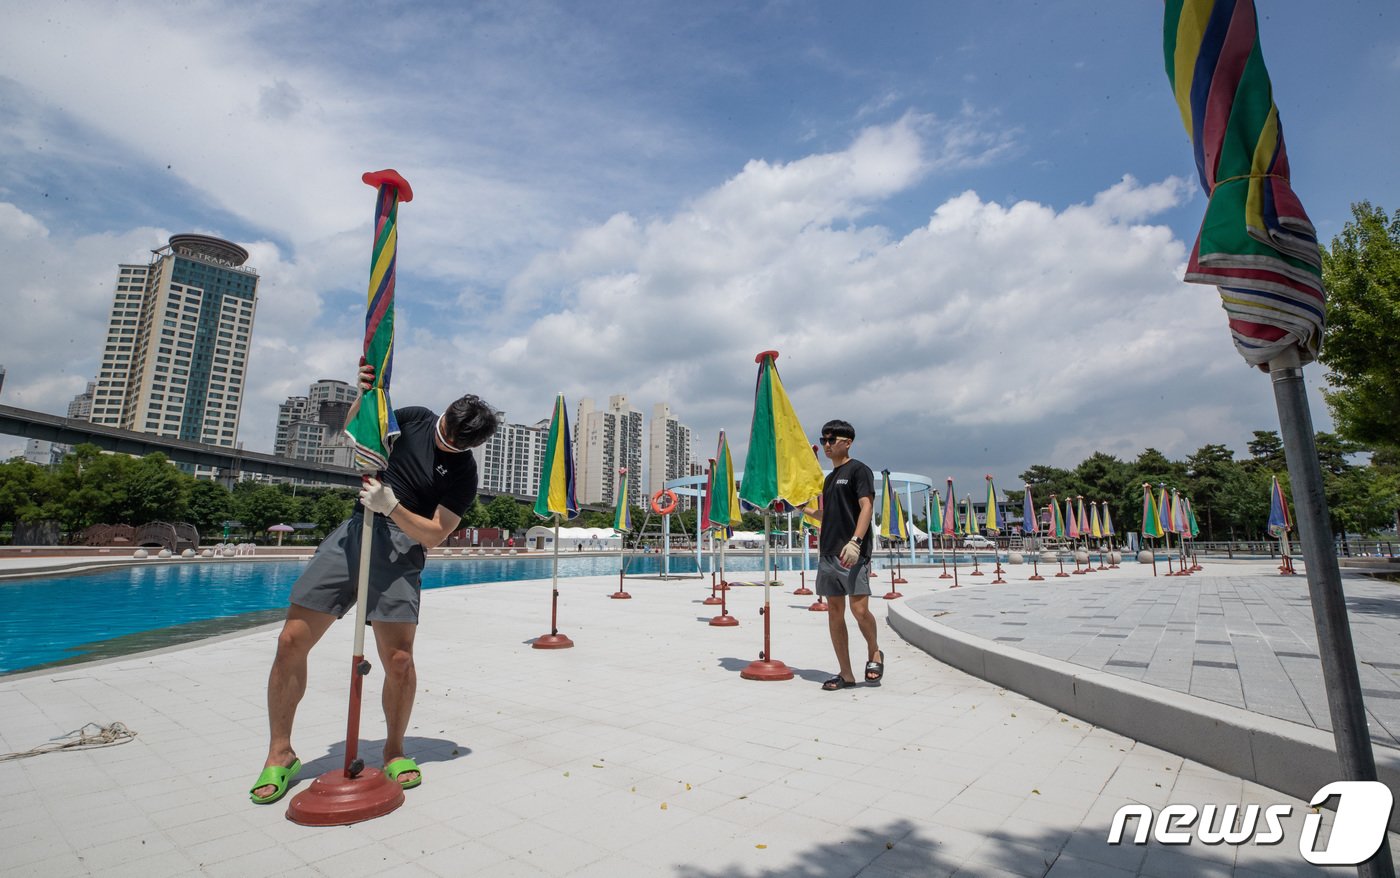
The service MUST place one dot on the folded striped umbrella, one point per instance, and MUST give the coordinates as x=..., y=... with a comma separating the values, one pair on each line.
x=1164, y=510
x=1071, y=520
x=935, y=515
x=1180, y=525
x=1108, y=530
x=374, y=428
x=724, y=498
x=808, y=518
x=1095, y=529
x=993, y=513
x=1191, y=519
x=1256, y=243
x=969, y=519
x=1083, y=519
x=1279, y=521
x=1030, y=522
x=557, y=495
x=1057, y=520
x=779, y=464
x=950, y=511
x=1151, y=521
x=622, y=516
x=892, y=523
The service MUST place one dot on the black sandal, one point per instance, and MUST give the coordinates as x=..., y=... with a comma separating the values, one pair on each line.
x=876, y=668
x=838, y=682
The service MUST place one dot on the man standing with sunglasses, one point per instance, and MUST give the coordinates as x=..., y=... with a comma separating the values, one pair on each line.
x=843, y=573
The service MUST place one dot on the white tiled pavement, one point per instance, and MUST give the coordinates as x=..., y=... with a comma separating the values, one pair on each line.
x=640, y=752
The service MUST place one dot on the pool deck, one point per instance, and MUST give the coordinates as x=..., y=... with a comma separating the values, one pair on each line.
x=642, y=751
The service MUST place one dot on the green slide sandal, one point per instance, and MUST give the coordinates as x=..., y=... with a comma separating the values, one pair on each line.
x=403, y=765
x=279, y=776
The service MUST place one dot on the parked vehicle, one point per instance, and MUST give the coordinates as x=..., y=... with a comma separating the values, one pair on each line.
x=977, y=541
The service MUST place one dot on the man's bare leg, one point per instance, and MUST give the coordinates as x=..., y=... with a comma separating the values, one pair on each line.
x=860, y=608
x=286, y=682
x=395, y=643
x=840, y=640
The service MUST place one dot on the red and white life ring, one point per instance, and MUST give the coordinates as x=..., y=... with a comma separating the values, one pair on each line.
x=663, y=502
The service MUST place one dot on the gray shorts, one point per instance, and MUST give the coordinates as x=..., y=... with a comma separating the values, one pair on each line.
x=833, y=580
x=329, y=582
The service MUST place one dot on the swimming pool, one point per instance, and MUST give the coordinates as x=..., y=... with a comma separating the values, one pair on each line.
x=127, y=609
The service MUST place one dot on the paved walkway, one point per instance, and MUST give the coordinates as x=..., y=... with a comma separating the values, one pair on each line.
x=640, y=752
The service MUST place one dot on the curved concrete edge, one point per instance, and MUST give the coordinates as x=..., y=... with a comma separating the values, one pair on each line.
x=1294, y=759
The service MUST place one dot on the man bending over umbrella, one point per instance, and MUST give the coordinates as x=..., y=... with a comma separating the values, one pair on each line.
x=429, y=482
x=848, y=503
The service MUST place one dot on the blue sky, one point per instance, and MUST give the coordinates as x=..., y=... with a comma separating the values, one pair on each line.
x=962, y=225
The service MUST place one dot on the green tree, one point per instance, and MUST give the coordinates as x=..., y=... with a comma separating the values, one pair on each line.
x=210, y=505
x=1361, y=272
x=1266, y=451
x=504, y=512
x=25, y=491
x=90, y=488
x=155, y=490
x=476, y=515
x=330, y=509
x=259, y=506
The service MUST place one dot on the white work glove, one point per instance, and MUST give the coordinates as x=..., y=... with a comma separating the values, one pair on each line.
x=850, y=553
x=378, y=497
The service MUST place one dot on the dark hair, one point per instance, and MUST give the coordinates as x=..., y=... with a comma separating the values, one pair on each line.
x=838, y=428
x=469, y=421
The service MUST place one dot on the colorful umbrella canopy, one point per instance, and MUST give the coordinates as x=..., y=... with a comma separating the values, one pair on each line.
x=1071, y=520
x=374, y=428
x=892, y=523
x=808, y=518
x=1057, y=521
x=969, y=519
x=1108, y=530
x=724, y=497
x=1164, y=510
x=622, y=516
x=935, y=515
x=779, y=464
x=993, y=523
x=557, y=496
x=1180, y=525
x=1029, y=522
x=1279, y=521
x=1256, y=243
x=1083, y=519
x=1151, y=521
x=950, y=511
x=1095, y=530
x=1194, y=525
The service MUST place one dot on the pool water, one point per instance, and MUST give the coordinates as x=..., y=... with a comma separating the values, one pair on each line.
x=63, y=619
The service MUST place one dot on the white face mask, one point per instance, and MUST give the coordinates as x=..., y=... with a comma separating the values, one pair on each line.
x=437, y=428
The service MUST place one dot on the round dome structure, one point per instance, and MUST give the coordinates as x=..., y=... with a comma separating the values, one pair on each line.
x=206, y=245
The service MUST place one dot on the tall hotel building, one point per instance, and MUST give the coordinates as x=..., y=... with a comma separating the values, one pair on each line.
x=177, y=342
x=604, y=441
x=668, y=452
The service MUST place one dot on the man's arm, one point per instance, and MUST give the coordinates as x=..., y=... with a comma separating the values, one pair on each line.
x=428, y=531
x=867, y=511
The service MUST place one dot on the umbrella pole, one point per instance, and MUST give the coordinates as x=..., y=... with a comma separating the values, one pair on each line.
x=766, y=667
x=554, y=640
x=1343, y=684
x=1035, y=561
x=355, y=793
x=943, y=551
x=723, y=620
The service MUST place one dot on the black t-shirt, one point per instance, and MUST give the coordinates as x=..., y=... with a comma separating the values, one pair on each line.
x=423, y=476
x=841, y=493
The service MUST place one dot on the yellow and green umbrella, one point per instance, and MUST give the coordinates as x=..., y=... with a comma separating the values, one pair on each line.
x=622, y=515
x=557, y=490
x=993, y=513
x=892, y=523
x=779, y=464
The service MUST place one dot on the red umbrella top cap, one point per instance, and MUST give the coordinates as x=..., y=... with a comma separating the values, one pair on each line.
x=759, y=358
x=389, y=177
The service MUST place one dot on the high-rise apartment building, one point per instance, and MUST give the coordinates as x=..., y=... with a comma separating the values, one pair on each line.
x=668, y=450
x=177, y=342
x=605, y=440
x=512, y=460
x=80, y=407
x=312, y=427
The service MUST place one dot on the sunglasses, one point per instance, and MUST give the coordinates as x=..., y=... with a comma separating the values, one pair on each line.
x=832, y=440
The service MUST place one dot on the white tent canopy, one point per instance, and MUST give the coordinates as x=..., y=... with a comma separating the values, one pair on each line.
x=542, y=537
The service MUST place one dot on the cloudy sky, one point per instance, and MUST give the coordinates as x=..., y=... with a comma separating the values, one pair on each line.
x=962, y=225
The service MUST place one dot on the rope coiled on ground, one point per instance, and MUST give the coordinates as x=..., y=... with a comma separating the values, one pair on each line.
x=89, y=737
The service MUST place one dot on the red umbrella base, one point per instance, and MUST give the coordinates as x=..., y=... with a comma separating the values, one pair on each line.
x=620, y=596
x=725, y=621
x=336, y=800
x=552, y=641
x=770, y=669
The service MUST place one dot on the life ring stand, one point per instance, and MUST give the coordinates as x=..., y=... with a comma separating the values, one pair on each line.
x=669, y=499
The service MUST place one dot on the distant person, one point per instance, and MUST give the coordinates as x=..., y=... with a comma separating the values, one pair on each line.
x=430, y=481
x=843, y=571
